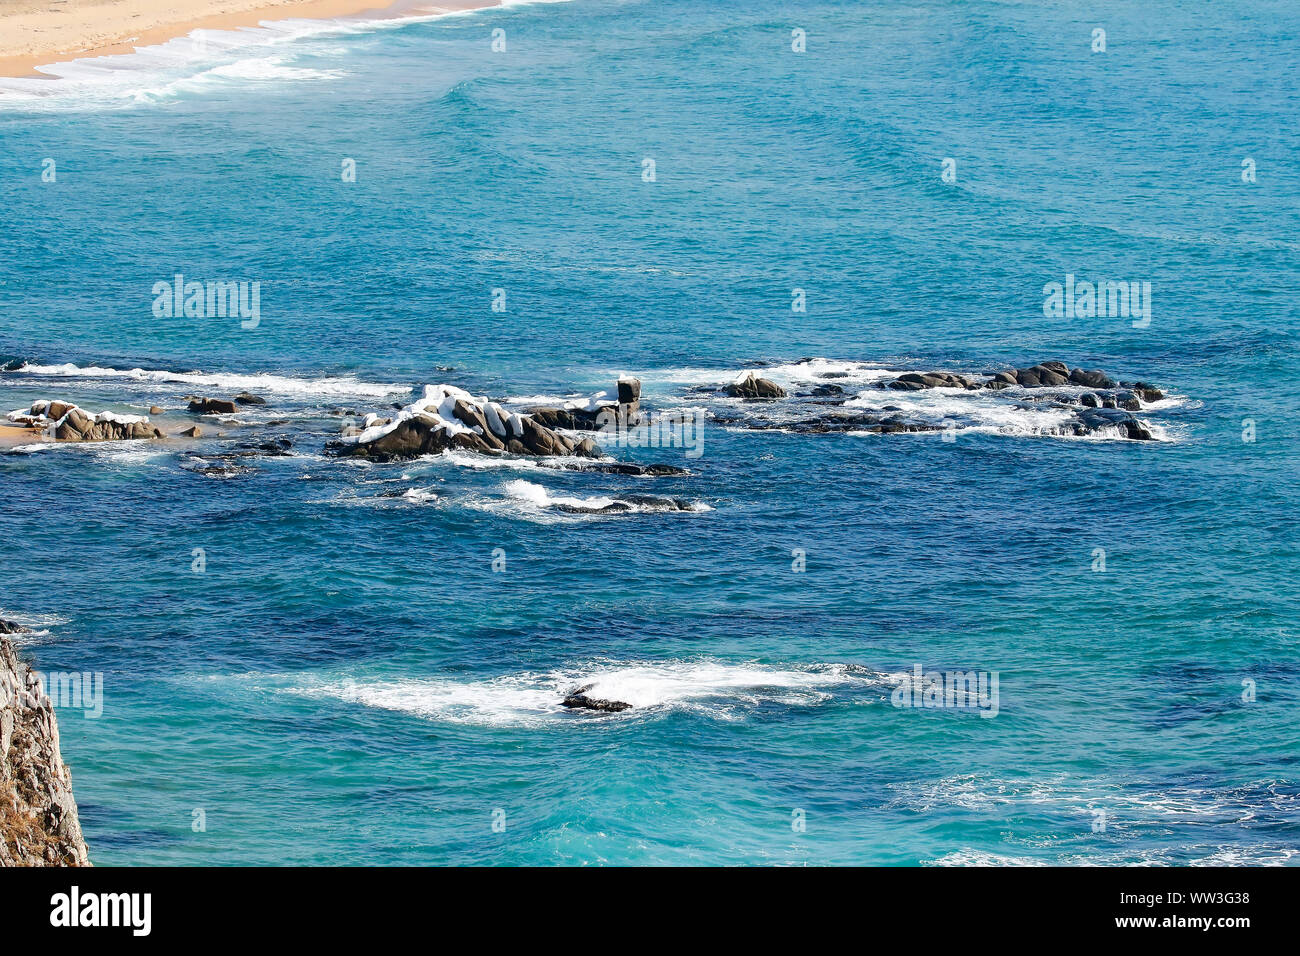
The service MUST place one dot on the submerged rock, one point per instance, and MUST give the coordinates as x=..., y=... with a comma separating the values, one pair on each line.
x=218, y=468
x=38, y=814
x=245, y=398
x=625, y=503
x=627, y=468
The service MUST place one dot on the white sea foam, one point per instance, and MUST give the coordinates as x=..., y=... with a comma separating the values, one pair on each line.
x=130, y=451
x=825, y=371
x=325, y=387
x=1129, y=805
x=407, y=497
x=1259, y=854
x=712, y=689
x=419, y=496
x=203, y=61
x=38, y=625
x=969, y=857
x=533, y=501
x=469, y=459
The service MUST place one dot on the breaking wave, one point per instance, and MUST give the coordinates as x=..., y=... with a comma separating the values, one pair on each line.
x=708, y=688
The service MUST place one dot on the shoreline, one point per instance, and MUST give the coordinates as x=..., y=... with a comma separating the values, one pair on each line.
x=45, y=36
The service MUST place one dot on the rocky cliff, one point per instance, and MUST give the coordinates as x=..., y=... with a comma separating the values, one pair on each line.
x=38, y=816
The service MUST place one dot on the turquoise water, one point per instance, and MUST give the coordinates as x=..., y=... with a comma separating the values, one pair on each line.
x=349, y=681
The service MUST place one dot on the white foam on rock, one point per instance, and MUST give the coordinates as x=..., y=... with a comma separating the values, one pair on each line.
x=709, y=688
x=536, y=500
x=37, y=417
x=437, y=408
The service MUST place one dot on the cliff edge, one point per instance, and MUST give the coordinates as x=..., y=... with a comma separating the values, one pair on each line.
x=38, y=815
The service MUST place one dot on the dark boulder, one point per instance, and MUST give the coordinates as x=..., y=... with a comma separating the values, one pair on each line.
x=1148, y=393
x=597, y=414
x=211, y=406
x=245, y=398
x=915, y=381
x=1091, y=378
x=1044, y=374
x=578, y=700
x=1095, y=420
x=628, y=468
x=573, y=419
x=751, y=385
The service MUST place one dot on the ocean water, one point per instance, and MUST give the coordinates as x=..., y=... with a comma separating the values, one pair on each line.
x=343, y=678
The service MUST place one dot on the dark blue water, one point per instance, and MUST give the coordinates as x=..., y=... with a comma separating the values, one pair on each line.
x=348, y=680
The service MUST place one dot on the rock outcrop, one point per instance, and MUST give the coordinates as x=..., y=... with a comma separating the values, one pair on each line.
x=447, y=417
x=64, y=421
x=1104, y=409
x=915, y=381
x=578, y=700
x=751, y=385
x=1050, y=374
x=38, y=815
x=211, y=406
x=599, y=411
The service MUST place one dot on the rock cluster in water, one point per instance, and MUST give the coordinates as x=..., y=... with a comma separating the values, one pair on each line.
x=202, y=405
x=1106, y=406
x=595, y=413
x=64, y=421
x=38, y=815
x=446, y=417
x=751, y=385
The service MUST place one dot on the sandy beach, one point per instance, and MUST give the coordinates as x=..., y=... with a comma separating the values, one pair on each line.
x=12, y=436
x=37, y=33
